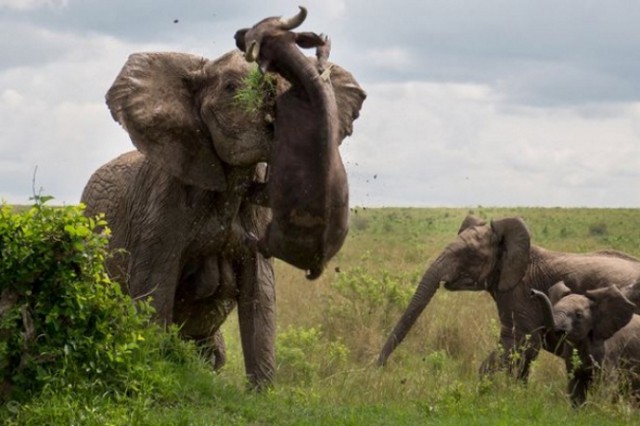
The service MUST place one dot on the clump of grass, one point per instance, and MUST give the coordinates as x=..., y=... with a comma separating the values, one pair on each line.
x=598, y=229
x=257, y=91
x=359, y=223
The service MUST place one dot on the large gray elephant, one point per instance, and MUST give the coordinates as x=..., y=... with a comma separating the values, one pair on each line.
x=498, y=257
x=179, y=209
x=598, y=331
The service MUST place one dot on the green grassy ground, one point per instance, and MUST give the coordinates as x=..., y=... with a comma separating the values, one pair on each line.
x=330, y=332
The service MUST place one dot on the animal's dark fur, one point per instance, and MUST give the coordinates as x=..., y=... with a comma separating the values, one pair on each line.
x=307, y=186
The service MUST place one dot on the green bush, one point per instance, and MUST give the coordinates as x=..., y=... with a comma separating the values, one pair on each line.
x=63, y=323
x=362, y=294
x=305, y=354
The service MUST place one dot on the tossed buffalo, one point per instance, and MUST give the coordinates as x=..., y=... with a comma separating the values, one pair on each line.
x=307, y=188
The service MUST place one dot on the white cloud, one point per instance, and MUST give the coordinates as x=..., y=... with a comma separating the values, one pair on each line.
x=53, y=117
x=492, y=104
x=11, y=99
x=23, y=5
x=393, y=58
x=450, y=144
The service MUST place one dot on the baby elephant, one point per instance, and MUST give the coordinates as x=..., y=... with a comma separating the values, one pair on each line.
x=600, y=327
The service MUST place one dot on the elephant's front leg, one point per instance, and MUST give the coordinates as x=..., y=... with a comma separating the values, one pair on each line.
x=204, y=299
x=257, y=319
x=154, y=273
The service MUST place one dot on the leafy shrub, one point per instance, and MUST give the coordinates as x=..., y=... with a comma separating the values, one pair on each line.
x=305, y=354
x=63, y=323
x=364, y=293
x=363, y=305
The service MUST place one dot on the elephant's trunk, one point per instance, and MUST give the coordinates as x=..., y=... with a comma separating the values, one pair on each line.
x=426, y=289
x=547, y=309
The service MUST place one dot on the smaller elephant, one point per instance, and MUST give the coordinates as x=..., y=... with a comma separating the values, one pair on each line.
x=498, y=257
x=600, y=327
x=307, y=188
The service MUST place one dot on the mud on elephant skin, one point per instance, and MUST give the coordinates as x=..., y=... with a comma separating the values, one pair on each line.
x=307, y=188
x=600, y=327
x=498, y=258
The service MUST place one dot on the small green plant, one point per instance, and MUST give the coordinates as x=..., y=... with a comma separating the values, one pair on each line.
x=305, y=354
x=575, y=362
x=257, y=91
x=370, y=291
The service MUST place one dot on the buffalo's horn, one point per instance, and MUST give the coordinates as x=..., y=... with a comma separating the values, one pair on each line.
x=253, y=51
x=295, y=21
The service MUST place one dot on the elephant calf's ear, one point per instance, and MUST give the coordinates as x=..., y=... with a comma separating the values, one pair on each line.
x=611, y=311
x=469, y=221
x=558, y=291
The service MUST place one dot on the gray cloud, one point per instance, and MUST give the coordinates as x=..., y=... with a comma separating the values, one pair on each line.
x=491, y=103
x=541, y=52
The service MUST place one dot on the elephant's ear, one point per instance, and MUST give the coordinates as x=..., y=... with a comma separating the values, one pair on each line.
x=153, y=99
x=515, y=241
x=349, y=97
x=611, y=311
x=469, y=221
x=558, y=291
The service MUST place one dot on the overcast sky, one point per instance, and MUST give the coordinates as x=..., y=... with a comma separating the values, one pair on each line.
x=487, y=102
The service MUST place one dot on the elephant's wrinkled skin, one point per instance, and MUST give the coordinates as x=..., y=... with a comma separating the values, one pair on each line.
x=498, y=258
x=600, y=327
x=178, y=207
x=307, y=188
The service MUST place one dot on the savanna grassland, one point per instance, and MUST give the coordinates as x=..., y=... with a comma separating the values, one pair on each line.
x=330, y=331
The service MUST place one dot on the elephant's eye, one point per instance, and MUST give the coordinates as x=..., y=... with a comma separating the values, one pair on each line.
x=579, y=315
x=230, y=87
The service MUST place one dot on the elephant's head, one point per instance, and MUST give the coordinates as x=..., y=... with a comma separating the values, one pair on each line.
x=180, y=111
x=492, y=256
x=594, y=316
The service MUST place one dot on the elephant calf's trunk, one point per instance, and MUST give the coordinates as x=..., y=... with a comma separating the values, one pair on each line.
x=547, y=309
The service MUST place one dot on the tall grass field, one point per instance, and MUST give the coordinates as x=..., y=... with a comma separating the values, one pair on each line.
x=331, y=330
